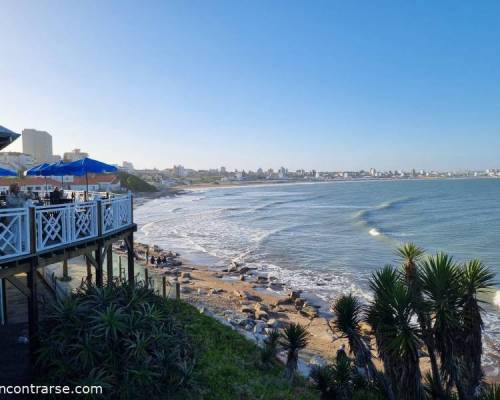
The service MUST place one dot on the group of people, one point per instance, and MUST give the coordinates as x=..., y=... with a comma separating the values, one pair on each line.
x=15, y=198
x=158, y=261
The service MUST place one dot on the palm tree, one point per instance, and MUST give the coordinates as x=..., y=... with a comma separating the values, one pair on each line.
x=348, y=313
x=441, y=286
x=268, y=352
x=475, y=278
x=411, y=255
x=294, y=338
x=398, y=338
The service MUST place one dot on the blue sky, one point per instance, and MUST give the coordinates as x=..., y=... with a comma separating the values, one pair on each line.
x=247, y=84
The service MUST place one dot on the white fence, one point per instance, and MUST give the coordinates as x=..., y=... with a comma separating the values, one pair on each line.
x=14, y=232
x=116, y=213
x=61, y=225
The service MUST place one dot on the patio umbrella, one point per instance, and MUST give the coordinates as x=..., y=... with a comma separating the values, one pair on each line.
x=7, y=172
x=85, y=166
x=38, y=170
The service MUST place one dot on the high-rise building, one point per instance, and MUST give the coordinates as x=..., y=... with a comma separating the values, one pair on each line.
x=38, y=144
x=74, y=155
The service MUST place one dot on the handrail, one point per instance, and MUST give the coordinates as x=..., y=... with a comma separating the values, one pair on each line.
x=61, y=225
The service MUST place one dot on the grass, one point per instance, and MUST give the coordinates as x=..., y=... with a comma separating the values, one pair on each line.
x=228, y=365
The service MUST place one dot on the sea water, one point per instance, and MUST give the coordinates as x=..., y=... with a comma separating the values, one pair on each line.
x=328, y=238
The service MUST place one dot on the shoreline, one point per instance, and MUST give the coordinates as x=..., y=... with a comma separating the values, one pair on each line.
x=261, y=183
x=253, y=303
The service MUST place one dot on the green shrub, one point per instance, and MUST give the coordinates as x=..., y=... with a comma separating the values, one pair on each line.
x=119, y=337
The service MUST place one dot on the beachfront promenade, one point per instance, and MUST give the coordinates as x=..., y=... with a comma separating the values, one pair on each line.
x=34, y=237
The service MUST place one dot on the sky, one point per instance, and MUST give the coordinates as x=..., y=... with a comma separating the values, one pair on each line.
x=326, y=85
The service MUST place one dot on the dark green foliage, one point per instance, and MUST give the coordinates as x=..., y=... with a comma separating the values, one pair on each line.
x=340, y=381
x=120, y=337
x=268, y=352
x=294, y=338
x=134, y=183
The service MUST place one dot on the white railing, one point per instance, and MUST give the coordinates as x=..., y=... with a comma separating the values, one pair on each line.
x=14, y=232
x=116, y=213
x=61, y=225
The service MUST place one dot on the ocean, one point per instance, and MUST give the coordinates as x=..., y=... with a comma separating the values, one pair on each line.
x=328, y=238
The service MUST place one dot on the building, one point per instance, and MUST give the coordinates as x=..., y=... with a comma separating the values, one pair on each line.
x=33, y=183
x=179, y=171
x=38, y=144
x=74, y=155
x=128, y=166
x=16, y=161
x=101, y=182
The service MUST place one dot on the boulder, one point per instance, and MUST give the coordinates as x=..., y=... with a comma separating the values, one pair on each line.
x=259, y=327
x=309, y=312
x=299, y=303
x=246, y=309
x=186, y=281
x=186, y=275
x=294, y=294
x=262, y=315
x=246, y=296
x=244, y=270
x=283, y=302
x=242, y=277
x=273, y=323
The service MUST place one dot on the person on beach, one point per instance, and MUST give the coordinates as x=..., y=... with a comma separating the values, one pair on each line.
x=152, y=260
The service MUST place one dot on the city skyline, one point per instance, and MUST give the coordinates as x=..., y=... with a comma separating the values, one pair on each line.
x=327, y=86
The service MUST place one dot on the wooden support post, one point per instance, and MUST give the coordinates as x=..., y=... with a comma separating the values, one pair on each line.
x=146, y=277
x=120, y=271
x=32, y=309
x=99, y=278
x=89, y=270
x=32, y=289
x=109, y=263
x=3, y=302
x=164, y=285
x=177, y=291
x=65, y=275
x=147, y=255
x=130, y=258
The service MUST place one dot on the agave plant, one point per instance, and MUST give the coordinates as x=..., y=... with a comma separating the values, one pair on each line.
x=475, y=277
x=120, y=337
x=294, y=338
x=348, y=315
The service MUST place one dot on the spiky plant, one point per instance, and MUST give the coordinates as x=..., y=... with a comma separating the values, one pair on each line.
x=348, y=315
x=268, y=352
x=294, y=338
x=398, y=338
x=120, y=336
x=323, y=377
x=441, y=286
x=411, y=255
x=475, y=278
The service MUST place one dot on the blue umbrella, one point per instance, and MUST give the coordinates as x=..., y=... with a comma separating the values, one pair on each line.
x=38, y=170
x=7, y=172
x=85, y=166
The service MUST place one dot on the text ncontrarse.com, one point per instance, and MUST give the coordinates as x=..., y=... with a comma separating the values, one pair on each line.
x=49, y=390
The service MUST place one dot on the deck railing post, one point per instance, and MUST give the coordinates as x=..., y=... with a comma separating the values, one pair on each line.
x=109, y=263
x=130, y=258
x=177, y=290
x=146, y=277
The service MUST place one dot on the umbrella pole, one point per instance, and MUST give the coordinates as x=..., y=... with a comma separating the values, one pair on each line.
x=87, y=182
